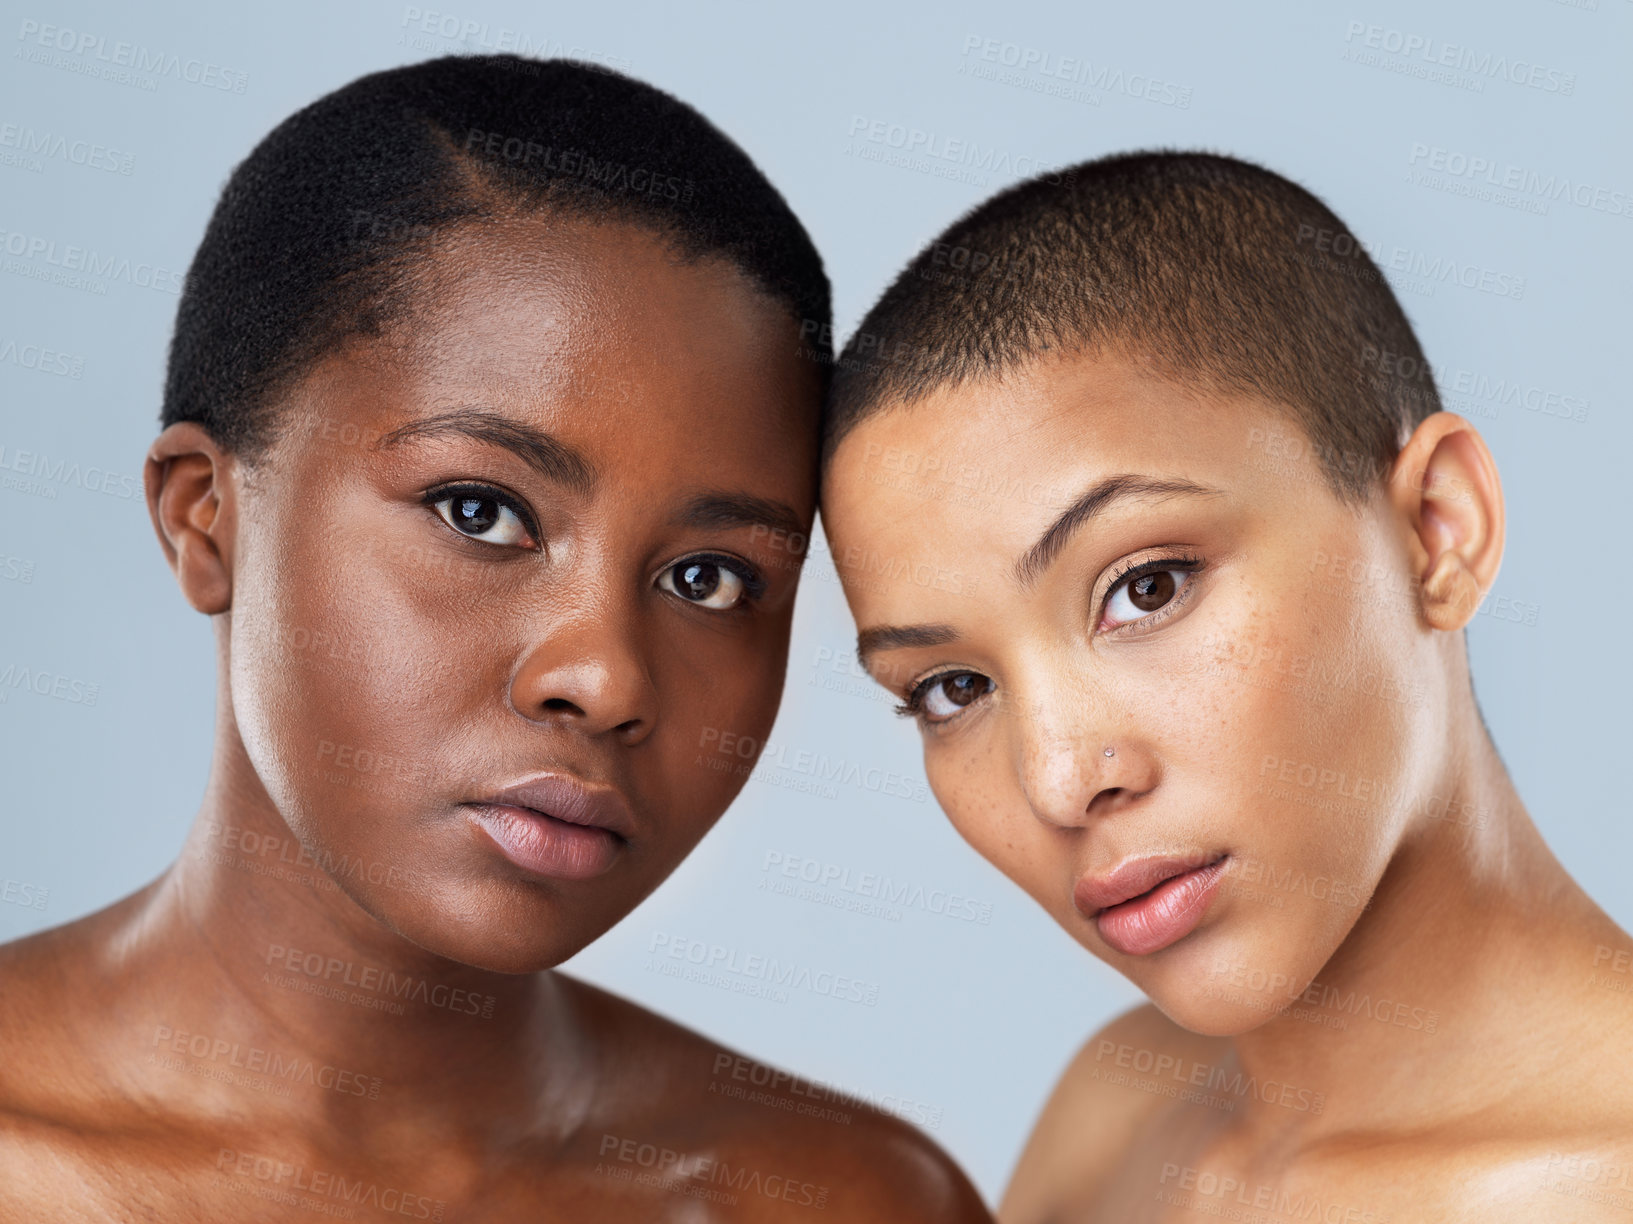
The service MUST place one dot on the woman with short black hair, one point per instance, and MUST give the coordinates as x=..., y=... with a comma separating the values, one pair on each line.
x=486, y=387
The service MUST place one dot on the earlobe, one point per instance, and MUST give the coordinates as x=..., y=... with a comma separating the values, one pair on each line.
x=191, y=498
x=1450, y=594
x=1445, y=484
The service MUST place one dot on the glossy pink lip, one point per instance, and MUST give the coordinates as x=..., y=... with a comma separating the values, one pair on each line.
x=555, y=825
x=1148, y=904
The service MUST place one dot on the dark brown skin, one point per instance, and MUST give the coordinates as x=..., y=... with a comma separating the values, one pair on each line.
x=176, y=1056
x=1463, y=1055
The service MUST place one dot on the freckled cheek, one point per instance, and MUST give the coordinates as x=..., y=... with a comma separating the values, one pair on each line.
x=982, y=799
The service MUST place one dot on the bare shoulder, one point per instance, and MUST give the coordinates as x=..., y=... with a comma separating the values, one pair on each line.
x=62, y=1002
x=1110, y=1094
x=751, y=1136
x=52, y=1121
x=1565, y=1133
x=1495, y=1167
x=40, y=1015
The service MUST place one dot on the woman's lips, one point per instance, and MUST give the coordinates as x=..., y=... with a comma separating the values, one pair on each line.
x=554, y=825
x=546, y=846
x=1145, y=906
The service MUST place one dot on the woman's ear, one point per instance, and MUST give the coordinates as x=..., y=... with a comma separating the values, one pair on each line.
x=1445, y=484
x=192, y=497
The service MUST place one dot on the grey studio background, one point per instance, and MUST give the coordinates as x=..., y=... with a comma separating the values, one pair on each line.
x=881, y=123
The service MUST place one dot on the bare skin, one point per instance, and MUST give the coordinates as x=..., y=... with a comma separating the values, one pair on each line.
x=1395, y=1004
x=340, y=995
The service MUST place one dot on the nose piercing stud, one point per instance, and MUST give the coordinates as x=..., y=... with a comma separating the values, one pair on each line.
x=1111, y=752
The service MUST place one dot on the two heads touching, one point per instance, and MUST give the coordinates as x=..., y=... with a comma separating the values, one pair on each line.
x=513, y=380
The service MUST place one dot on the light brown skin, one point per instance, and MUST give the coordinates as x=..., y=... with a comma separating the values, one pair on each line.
x=1463, y=1052
x=501, y=1090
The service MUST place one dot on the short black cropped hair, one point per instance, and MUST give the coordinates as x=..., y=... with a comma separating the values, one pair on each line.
x=318, y=231
x=1212, y=271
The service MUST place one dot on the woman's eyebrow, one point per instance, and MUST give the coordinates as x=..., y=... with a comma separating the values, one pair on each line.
x=552, y=458
x=1100, y=495
x=741, y=510
x=896, y=637
x=1037, y=558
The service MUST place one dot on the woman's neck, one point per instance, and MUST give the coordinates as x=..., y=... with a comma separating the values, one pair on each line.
x=249, y=953
x=1474, y=943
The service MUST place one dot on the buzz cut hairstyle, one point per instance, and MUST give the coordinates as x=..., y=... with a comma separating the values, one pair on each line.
x=319, y=233
x=1211, y=272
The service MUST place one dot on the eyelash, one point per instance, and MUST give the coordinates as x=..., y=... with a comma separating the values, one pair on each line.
x=487, y=492
x=911, y=707
x=1129, y=573
x=915, y=696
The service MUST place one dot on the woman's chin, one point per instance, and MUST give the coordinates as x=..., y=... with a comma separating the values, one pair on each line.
x=495, y=940
x=1211, y=993
x=1197, y=1012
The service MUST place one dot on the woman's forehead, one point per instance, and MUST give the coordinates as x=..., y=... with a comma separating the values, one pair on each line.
x=559, y=286
x=1042, y=431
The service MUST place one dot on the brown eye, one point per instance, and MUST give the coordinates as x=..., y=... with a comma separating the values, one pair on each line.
x=474, y=515
x=944, y=696
x=482, y=514
x=1144, y=594
x=696, y=580
x=1150, y=591
x=706, y=582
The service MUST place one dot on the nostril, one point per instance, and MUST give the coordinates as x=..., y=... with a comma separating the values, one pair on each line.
x=561, y=704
